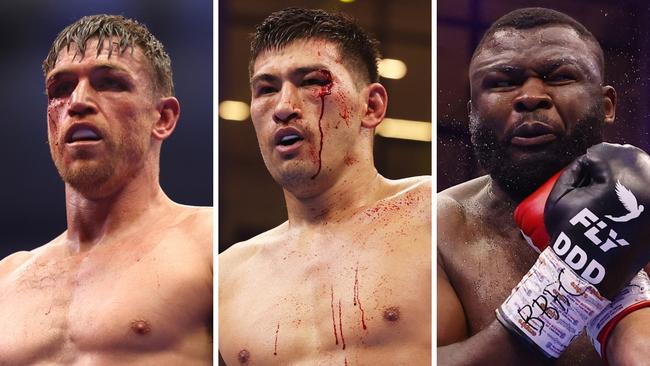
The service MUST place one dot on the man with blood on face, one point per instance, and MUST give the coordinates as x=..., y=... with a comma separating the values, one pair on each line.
x=347, y=278
x=108, y=290
x=538, y=101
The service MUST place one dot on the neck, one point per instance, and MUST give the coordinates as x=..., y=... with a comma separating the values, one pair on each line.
x=352, y=190
x=91, y=219
x=498, y=204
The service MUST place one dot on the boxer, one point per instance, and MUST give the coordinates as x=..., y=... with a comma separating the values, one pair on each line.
x=346, y=280
x=538, y=102
x=130, y=280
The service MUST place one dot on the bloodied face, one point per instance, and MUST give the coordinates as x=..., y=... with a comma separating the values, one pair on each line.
x=537, y=103
x=306, y=106
x=100, y=114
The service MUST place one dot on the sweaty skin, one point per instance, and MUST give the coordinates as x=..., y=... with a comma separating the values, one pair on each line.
x=481, y=258
x=130, y=280
x=304, y=280
x=546, y=73
x=313, y=291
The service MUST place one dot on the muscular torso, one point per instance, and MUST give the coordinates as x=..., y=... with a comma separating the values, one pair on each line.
x=485, y=257
x=143, y=298
x=354, y=292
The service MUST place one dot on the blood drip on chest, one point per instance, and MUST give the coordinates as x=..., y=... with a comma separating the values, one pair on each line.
x=357, y=300
x=341, y=326
x=324, y=90
x=336, y=336
x=275, y=350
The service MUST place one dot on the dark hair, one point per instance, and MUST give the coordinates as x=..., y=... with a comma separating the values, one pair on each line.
x=130, y=34
x=528, y=18
x=291, y=24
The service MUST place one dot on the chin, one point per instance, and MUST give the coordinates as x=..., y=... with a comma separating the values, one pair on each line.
x=86, y=175
x=298, y=182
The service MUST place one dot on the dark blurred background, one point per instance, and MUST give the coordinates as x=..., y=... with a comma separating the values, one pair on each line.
x=250, y=202
x=623, y=29
x=31, y=192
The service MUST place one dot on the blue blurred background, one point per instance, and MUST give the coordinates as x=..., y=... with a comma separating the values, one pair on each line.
x=31, y=192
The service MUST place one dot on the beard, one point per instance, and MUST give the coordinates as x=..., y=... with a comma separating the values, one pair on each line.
x=521, y=176
x=89, y=173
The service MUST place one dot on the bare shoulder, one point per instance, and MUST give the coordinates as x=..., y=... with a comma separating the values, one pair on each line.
x=414, y=192
x=16, y=260
x=420, y=185
x=197, y=223
x=239, y=259
x=196, y=217
x=9, y=263
x=240, y=253
x=452, y=203
x=455, y=209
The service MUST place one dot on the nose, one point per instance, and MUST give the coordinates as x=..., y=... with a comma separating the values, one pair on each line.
x=288, y=105
x=533, y=96
x=82, y=101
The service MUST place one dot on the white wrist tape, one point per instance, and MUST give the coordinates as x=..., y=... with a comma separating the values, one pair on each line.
x=551, y=305
x=634, y=296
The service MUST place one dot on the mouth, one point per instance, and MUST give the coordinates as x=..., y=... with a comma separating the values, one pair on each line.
x=533, y=134
x=288, y=137
x=82, y=133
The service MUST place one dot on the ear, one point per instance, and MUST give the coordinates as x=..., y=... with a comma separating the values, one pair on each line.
x=169, y=110
x=376, y=104
x=609, y=103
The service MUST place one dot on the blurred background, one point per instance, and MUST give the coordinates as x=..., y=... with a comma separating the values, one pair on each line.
x=622, y=27
x=33, y=204
x=250, y=202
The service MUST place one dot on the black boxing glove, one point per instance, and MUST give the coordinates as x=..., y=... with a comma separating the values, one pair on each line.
x=597, y=218
x=561, y=292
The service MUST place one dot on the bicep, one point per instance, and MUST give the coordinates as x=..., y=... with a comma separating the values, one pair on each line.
x=452, y=325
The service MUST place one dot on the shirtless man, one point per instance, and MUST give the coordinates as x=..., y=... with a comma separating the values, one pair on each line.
x=538, y=101
x=130, y=280
x=346, y=280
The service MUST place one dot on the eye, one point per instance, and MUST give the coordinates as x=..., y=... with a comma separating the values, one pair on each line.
x=315, y=81
x=500, y=84
x=110, y=83
x=60, y=89
x=559, y=79
x=264, y=90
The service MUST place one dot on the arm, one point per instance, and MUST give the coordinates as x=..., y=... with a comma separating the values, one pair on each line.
x=493, y=345
x=629, y=343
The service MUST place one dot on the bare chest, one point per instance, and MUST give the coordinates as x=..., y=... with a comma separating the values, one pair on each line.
x=57, y=309
x=334, y=303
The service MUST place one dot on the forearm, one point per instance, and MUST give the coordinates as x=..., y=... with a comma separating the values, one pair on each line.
x=629, y=343
x=493, y=345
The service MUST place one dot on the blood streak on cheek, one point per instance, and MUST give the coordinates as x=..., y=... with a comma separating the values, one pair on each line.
x=324, y=90
x=345, y=110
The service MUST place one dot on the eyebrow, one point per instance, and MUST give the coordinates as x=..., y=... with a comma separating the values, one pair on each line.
x=54, y=75
x=547, y=67
x=299, y=71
